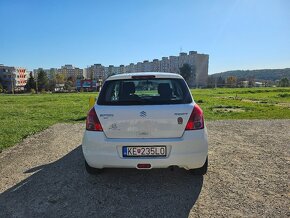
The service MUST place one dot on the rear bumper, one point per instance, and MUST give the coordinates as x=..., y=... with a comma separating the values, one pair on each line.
x=189, y=151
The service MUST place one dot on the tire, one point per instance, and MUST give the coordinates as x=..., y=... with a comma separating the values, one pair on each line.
x=200, y=171
x=91, y=170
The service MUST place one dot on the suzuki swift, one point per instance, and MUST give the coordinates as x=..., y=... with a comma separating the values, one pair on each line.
x=145, y=121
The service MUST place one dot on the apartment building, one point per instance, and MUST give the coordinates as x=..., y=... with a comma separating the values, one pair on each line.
x=198, y=63
x=13, y=78
x=164, y=65
x=139, y=67
x=49, y=72
x=172, y=64
x=96, y=72
x=69, y=70
x=156, y=67
x=147, y=66
x=122, y=68
x=130, y=68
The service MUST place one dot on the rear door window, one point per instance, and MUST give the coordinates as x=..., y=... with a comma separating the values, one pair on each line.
x=144, y=91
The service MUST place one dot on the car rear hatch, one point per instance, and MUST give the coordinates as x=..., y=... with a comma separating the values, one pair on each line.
x=146, y=121
x=144, y=107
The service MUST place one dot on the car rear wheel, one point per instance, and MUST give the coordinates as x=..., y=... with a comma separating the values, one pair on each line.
x=92, y=170
x=202, y=170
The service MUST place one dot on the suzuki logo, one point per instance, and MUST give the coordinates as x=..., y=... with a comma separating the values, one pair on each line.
x=143, y=114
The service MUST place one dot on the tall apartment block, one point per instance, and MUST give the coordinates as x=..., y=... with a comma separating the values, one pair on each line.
x=70, y=71
x=13, y=78
x=197, y=62
x=96, y=72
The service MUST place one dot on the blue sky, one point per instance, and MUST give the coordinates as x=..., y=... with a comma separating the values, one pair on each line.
x=237, y=34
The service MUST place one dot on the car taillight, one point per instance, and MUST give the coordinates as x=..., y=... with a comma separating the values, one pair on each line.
x=196, y=119
x=92, y=122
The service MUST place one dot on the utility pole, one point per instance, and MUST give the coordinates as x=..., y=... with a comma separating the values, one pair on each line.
x=36, y=85
x=12, y=82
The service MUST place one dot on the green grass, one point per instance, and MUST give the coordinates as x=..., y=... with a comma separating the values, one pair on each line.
x=24, y=115
x=244, y=103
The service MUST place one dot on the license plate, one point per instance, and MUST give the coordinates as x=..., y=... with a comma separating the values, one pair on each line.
x=143, y=151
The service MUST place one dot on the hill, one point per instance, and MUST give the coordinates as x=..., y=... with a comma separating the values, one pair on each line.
x=264, y=74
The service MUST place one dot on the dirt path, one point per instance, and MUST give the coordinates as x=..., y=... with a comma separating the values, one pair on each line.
x=248, y=176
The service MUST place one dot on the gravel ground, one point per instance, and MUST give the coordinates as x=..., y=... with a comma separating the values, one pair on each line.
x=248, y=176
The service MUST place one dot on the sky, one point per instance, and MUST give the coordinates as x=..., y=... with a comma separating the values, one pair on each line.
x=237, y=34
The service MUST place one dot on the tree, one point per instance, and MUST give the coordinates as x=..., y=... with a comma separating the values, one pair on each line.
x=68, y=85
x=231, y=81
x=52, y=80
x=1, y=86
x=251, y=80
x=211, y=81
x=220, y=82
x=185, y=72
x=42, y=80
x=284, y=82
x=59, y=78
x=72, y=79
x=30, y=83
x=109, y=74
x=80, y=77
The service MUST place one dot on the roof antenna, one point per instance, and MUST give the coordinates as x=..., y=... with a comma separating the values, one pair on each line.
x=180, y=49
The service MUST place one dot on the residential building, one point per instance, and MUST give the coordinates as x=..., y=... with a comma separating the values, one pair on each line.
x=70, y=71
x=139, y=67
x=85, y=73
x=96, y=72
x=49, y=72
x=147, y=66
x=130, y=68
x=156, y=65
x=13, y=78
x=122, y=69
x=109, y=70
x=172, y=64
x=183, y=59
x=165, y=65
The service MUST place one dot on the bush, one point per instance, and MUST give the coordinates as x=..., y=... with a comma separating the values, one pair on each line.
x=32, y=91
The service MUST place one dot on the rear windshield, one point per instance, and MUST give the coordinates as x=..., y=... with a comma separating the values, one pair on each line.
x=144, y=92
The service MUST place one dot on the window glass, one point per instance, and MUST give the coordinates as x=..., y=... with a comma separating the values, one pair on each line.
x=144, y=91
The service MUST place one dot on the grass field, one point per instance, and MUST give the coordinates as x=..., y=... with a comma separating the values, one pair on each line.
x=24, y=115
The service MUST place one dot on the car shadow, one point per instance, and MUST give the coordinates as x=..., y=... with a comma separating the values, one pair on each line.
x=64, y=189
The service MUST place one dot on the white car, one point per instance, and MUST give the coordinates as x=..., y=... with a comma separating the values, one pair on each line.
x=144, y=121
